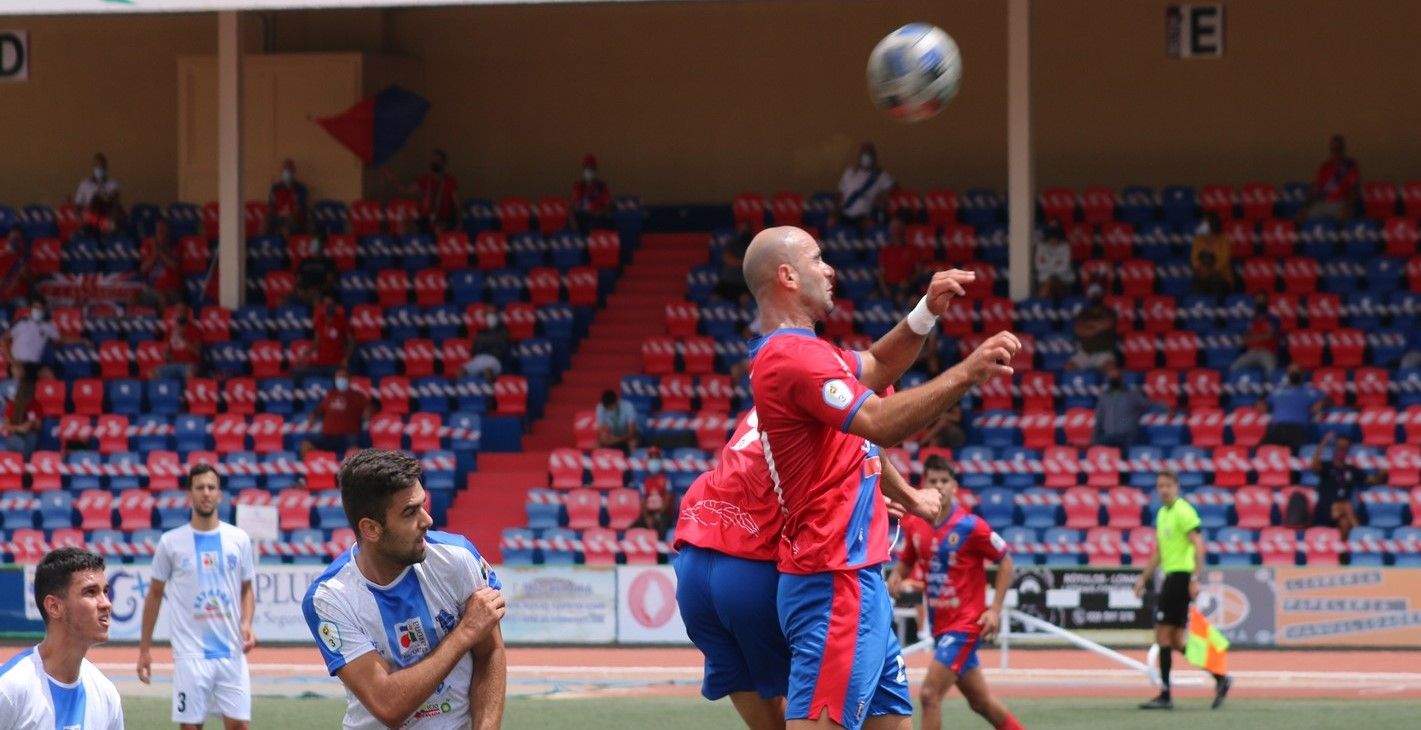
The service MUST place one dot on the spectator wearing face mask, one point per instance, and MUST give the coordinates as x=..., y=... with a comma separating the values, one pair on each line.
x=97, y=199
x=183, y=345
x=1209, y=257
x=160, y=266
x=1291, y=408
x=655, y=495
x=591, y=199
x=863, y=190
x=22, y=420
x=28, y=340
x=1261, y=341
x=341, y=414
x=315, y=276
x=333, y=342
x=616, y=423
x=489, y=348
x=1117, y=412
x=286, y=204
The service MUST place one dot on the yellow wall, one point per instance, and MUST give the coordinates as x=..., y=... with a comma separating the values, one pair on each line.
x=695, y=101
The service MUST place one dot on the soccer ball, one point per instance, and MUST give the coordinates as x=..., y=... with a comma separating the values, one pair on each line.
x=914, y=72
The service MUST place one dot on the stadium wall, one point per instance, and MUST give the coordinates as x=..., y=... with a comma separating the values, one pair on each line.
x=691, y=102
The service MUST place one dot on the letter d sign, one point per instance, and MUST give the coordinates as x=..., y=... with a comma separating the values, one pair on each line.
x=14, y=55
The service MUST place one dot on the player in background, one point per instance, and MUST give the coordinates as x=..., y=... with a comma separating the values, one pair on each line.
x=953, y=551
x=207, y=566
x=407, y=618
x=51, y=685
x=726, y=581
x=821, y=429
x=1179, y=552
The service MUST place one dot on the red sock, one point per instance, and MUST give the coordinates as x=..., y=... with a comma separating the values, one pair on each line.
x=1010, y=724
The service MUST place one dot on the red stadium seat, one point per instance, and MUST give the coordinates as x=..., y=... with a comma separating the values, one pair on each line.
x=392, y=286
x=658, y=356
x=163, y=470
x=582, y=286
x=956, y=320
x=510, y=395
x=88, y=397
x=1411, y=198
x=1300, y=275
x=1403, y=465
x=903, y=203
x=1324, y=311
x=748, y=210
x=277, y=287
x=254, y=217
x=95, y=507
x=1378, y=424
x=202, y=457
x=1288, y=308
x=12, y=471
x=387, y=431
x=1124, y=308
x=640, y=546
x=419, y=358
x=293, y=509
x=453, y=354
x=254, y=496
x=521, y=318
x=599, y=546
x=1117, y=243
x=715, y=393
x=453, y=250
x=1305, y=348
x=1218, y=199
x=50, y=394
x=995, y=394
x=604, y=249
x=135, y=510
x=1254, y=506
x=265, y=430
x=1260, y=276
x=115, y=359
x=1347, y=346
x=1157, y=314
x=1273, y=469
x=1400, y=237
x=1062, y=467
x=1206, y=427
x=1162, y=386
x=1140, y=350
x=609, y=468
x=981, y=287
x=1231, y=466
x=1278, y=545
x=941, y=206
x=1105, y=466
x=676, y=391
x=240, y=395
x=1333, y=384
x=1322, y=546
x=1203, y=387
x=1137, y=278
x=1379, y=200
x=150, y=355
x=1038, y=429
x=787, y=209
x=584, y=509
x=69, y=321
x=45, y=256
x=514, y=215
x=430, y=286
x=1241, y=235
x=698, y=354
x=195, y=254
x=1123, y=506
x=584, y=430
x=1181, y=350
x=623, y=508
x=997, y=314
x=321, y=468
x=1142, y=545
x=266, y=358
x=229, y=432
x=1059, y=204
x=1097, y=205
x=1257, y=200
x=552, y=214
x=565, y=469
x=1280, y=238
x=682, y=319
x=712, y=430
x=366, y=217
x=394, y=394
x=1082, y=506
x=491, y=250
x=1038, y=390
x=423, y=431
x=70, y=221
x=214, y=324
x=544, y=286
x=1416, y=507
x=1104, y=545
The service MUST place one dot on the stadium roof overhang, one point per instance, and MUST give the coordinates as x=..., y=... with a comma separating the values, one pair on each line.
x=93, y=7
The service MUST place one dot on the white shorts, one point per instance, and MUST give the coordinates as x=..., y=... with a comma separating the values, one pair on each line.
x=217, y=686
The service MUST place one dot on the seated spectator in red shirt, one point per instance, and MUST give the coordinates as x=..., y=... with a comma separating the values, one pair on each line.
x=1334, y=192
x=183, y=352
x=899, y=264
x=286, y=205
x=591, y=199
x=98, y=200
x=1261, y=341
x=341, y=414
x=332, y=341
x=160, y=267
x=437, y=193
x=23, y=416
x=655, y=495
x=16, y=284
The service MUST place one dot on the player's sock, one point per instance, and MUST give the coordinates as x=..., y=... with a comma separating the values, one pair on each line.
x=1166, y=659
x=1010, y=724
x=1218, y=678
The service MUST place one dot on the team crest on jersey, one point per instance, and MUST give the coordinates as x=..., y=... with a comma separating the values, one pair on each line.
x=232, y=562
x=209, y=560
x=837, y=394
x=413, y=642
x=952, y=539
x=330, y=635
x=446, y=621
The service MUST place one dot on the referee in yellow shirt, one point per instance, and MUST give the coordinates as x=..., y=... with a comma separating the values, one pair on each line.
x=1180, y=552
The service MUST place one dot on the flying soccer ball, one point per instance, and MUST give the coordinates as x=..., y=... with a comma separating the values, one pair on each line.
x=914, y=72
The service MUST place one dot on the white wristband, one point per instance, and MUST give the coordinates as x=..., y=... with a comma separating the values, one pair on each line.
x=920, y=320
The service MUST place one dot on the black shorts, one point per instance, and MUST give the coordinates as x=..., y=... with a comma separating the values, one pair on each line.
x=1172, y=605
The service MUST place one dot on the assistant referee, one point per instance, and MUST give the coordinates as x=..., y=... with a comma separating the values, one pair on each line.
x=1180, y=552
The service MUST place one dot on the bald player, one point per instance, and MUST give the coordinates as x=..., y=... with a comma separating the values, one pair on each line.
x=821, y=429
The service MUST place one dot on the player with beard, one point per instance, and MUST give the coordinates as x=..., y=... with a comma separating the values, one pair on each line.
x=207, y=567
x=407, y=618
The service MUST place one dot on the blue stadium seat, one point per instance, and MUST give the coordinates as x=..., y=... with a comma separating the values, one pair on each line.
x=857, y=281
x=479, y=216
x=1022, y=480
x=1043, y=514
x=996, y=507
x=1243, y=388
x=1178, y=204
x=1384, y=274
x=190, y=433
x=466, y=286
x=402, y=322
x=701, y=282
x=381, y=358
x=237, y=482
x=1410, y=392
x=466, y=447
x=471, y=394
x=535, y=357
x=1291, y=198
x=560, y=557
x=228, y=359
x=981, y=207
x=517, y=556
x=266, y=254
x=355, y=287
x=82, y=256
x=249, y=324
x=155, y=440
x=526, y=250
x=1234, y=534
x=80, y=482
x=148, y=535
x=1187, y=479
x=1406, y=559
x=330, y=216
x=1021, y=539
x=291, y=323
x=184, y=219
x=1360, y=238
x=1365, y=307
x=975, y=480
x=1213, y=507
x=1063, y=536
x=1055, y=351
x=1318, y=238
x=1166, y=435
x=38, y=221
x=566, y=250
x=276, y=395
x=430, y=395
x=329, y=517
x=544, y=508
x=444, y=321
x=1078, y=388
x=122, y=255
x=278, y=482
x=505, y=286
x=1196, y=313
x=641, y=392
x=1371, y=536
x=1034, y=316
x=1136, y=204
x=1143, y=479
x=377, y=252
x=438, y=479
x=998, y=436
x=125, y=396
x=129, y=459
x=307, y=535
x=109, y=537
x=76, y=360
x=56, y=509
x=8, y=218
x=1385, y=507
x=559, y=323
x=1388, y=347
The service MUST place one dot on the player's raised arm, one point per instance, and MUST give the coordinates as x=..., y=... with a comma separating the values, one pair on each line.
x=887, y=359
x=490, y=682
x=887, y=421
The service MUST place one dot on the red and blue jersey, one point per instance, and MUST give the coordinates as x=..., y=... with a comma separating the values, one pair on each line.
x=732, y=508
x=954, y=555
x=806, y=392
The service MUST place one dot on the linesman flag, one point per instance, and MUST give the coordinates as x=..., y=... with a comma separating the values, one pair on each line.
x=1206, y=646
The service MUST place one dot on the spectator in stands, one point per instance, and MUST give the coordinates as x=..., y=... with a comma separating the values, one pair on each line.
x=98, y=200
x=489, y=349
x=316, y=276
x=1412, y=356
x=656, y=513
x=437, y=193
x=332, y=344
x=1118, y=409
x=731, y=285
x=863, y=191
x=160, y=267
x=1261, y=341
x=1292, y=408
x=10, y=385
x=899, y=265
x=1095, y=334
x=22, y=420
x=1055, y=274
x=945, y=432
x=342, y=414
x=182, y=353
x=616, y=423
x=591, y=199
x=1209, y=258
x=16, y=284
x=1337, y=484
x=28, y=340
x=286, y=204
x=1334, y=192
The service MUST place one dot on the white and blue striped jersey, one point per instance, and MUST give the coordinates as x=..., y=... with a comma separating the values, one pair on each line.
x=203, y=573
x=30, y=699
x=350, y=616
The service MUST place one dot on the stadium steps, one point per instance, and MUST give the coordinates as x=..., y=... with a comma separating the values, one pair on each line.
x=636, y=310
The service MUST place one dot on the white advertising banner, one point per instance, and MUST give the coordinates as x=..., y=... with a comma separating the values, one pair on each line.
x=646, y=606
x=559, y=605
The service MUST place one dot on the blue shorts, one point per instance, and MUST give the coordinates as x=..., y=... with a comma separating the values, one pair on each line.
x=844, y=655
x=728, y=606
x=957, y=650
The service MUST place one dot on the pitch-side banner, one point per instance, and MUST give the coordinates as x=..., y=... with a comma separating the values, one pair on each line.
x=559, y=605
x=1348, y=606
x=646, y=606
x=73, y=7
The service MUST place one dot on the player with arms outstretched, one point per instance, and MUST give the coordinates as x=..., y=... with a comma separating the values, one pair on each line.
x=821, y=429
x=953, y=551
x=407, y=618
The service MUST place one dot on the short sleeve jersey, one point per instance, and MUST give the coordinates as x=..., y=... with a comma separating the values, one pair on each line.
x=1172, y=527
x=732, y=508
x=203, y=573
x=30, y=699
x=806, y=394
x=349, y=617
x=953, y=555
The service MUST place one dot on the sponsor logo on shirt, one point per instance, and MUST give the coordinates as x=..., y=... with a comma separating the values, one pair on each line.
x=212, y=606
x=431, y=710
x=413, y=642
x=210, y=560
x=837, y=394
